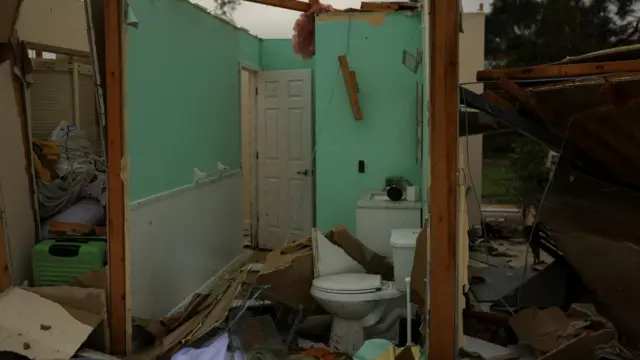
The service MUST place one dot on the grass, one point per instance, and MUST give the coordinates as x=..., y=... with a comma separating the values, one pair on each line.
x=497, y=181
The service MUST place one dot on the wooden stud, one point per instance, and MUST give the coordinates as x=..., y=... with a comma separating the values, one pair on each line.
x=559, y=71
x=285, y=4
x=118, y=313
x=350, y=82
x=443, y=176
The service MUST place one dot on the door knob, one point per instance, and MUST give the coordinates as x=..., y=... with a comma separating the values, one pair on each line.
x=304, y=172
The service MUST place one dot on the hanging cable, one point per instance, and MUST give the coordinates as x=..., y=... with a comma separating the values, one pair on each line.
x=475, y=193
x=542, y=199
x=318, y=137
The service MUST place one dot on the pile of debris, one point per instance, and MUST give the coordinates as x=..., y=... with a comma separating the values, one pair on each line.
x=71, y=180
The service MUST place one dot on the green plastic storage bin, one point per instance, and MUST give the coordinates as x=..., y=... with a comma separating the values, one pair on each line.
x=60, y=261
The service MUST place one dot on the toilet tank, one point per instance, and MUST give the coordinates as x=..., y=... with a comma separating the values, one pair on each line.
x=376, y=216
x=403, y=247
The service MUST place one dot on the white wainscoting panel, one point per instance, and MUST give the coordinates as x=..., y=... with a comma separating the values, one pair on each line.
x=180, y=239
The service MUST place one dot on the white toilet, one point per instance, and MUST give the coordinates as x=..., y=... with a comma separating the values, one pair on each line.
x=362, y=305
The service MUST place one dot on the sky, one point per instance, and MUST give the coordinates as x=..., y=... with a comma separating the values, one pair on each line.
x=268, y=22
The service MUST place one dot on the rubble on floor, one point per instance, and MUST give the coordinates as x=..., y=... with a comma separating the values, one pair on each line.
x=264, y=310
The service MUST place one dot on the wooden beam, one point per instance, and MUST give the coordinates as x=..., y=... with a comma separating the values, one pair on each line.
x=379, y=6
x=285, y=4
x=118, y=313
x=559, y=71
x=443, y=176
x=497, y=99
x=524, y=98
x=351, y=84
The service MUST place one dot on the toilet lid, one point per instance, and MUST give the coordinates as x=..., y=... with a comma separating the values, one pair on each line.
x=348, y=283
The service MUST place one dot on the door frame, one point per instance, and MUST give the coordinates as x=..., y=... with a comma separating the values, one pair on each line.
x=253, y=72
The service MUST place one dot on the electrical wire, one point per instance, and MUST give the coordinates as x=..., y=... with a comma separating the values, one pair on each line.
x=542, y=199
x=318, y=137
x=544, y=194
x=475, y=193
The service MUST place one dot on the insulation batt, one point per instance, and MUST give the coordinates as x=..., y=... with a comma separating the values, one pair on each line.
x=304, y=31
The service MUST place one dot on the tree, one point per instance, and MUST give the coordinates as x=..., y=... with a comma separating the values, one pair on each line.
x=225, y=8
x=533, y=32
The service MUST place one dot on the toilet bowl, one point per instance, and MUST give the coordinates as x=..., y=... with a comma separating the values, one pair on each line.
x=356, y=301
x=363, y=305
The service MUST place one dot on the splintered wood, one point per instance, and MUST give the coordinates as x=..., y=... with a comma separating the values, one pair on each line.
x=350, y=82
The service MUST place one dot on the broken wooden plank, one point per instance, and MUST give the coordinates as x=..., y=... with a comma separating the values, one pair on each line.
x=350, y=82
x=559, y=71
x=497, y=99
x=388, y=6
x=66, y=228
x=285, y=4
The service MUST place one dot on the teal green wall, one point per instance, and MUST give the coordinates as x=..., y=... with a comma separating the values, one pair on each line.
x=249, y=48
x=277, y=54
x=182, y=94
x=386, y=137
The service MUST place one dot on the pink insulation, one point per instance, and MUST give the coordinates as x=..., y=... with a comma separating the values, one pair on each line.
x=304, y=31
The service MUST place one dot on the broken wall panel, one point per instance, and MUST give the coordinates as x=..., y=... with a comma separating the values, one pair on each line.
x=9, y=10
x=54, y=25
x=16, y=201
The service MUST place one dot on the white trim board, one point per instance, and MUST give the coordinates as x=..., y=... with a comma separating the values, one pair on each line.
x=177, y=191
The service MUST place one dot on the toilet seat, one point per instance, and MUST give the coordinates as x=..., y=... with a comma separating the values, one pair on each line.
x=353, y=288
x=350, y=283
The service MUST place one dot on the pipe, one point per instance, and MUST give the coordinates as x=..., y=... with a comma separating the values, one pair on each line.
x=407, y=280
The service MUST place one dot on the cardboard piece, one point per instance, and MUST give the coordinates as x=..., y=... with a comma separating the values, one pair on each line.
x=571, y=335
x=96, y=279
x=419, y=271
x=371, y=261
x=289, y=273
x=49, y=322
x=211, y=313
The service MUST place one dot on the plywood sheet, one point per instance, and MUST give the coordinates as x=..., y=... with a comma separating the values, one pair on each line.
x=57, y=25
x=8, y=14
x=15, y=194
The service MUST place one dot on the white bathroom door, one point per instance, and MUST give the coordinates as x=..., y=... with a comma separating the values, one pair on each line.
x=285, y=143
